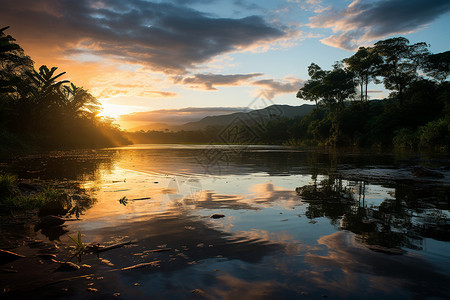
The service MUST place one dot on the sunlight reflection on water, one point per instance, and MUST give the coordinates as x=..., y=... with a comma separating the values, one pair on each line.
x=295, y=222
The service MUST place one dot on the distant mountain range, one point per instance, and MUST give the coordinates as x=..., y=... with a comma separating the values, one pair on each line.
x=250, y=118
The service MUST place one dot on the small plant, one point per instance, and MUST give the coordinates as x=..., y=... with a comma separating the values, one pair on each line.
x=8, y=186
x=80, y=247
x=123, y=201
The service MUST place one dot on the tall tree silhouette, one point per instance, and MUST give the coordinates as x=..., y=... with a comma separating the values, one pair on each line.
x=329, y=87
x=13, y=62
x=365, y=64
x=438, y=65
x=47, y=90
x=80, y=103
x=400, y=63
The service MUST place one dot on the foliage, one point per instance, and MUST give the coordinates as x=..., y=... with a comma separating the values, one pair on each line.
x=80, y=247
x=437, y=66
x=39, y=110
x=365, y=65
x=13, y=62
x=13, y=199
x=405, y=138
x=8, y=186
x=22, y=201
x=123, y=200
x=328, y=87
x=400, y=62
x=420, y=123
x=416, y=115
x=436, y=134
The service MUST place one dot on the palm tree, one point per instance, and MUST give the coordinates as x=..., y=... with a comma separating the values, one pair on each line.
x=13, y=62
x=45, y=80
x=79, y=102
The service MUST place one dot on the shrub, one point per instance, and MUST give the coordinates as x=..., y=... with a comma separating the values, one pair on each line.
x=405, y=138
x=435, y=134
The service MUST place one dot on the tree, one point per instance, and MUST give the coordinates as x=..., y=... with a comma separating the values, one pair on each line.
x=316, y=72
x=313, y=89
x=329, y=87
x=47, y=90
x=310, y=91
x=37, y=108
x=339, y=85
x=79, y=102
x=13, y=62
x=400, y=62
x=364, y=64
x=438, y=65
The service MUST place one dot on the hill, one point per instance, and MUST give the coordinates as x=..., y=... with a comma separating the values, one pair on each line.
x=249, y=118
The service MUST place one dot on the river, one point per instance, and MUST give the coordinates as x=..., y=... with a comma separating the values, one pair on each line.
x=253, y=222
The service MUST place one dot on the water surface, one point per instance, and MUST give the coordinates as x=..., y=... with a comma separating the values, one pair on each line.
x=296, y=223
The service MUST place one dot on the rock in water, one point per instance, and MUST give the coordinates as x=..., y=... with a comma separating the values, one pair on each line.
x=48, y=222
x=420, y=171
x=217, y=216
x=67, y=266
x=52, y=208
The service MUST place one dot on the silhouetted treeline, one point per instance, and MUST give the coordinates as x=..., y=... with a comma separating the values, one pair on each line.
x=38, y=110
x=416, y=114
x=423, y=121
x=168, y=137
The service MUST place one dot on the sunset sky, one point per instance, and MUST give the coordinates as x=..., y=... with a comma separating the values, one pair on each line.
x=185, y=59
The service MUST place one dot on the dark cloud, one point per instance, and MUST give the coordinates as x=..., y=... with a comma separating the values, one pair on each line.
x=182, y=115
x=208, y=81
x=364, y=20
x=246, y=5
x=193, y=1
x=167, y=37
x=272, y=87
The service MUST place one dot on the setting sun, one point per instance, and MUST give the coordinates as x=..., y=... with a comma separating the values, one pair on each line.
x=116, y=110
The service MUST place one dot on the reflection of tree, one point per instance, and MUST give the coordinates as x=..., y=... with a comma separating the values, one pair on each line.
x=415, y=213
x=77, y=165
x=329, y=198
x=80, y=203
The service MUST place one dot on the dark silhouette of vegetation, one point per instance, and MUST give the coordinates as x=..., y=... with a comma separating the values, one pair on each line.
x=364, y=64
x=416, y=114
x=39, y=110
x=400, y=62
x=13, y=199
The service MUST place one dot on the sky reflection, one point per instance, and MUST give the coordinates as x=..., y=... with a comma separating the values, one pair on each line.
x=293, y=224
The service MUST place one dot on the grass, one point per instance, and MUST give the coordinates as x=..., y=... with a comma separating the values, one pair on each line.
x=80, y=247
x=8, y=185
x=34, y=200
x=12, y=199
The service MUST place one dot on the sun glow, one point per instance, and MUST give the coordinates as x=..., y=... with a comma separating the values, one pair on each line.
x=116, y=110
